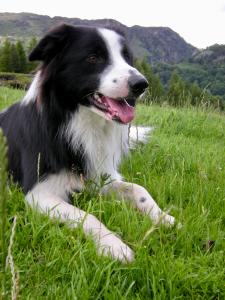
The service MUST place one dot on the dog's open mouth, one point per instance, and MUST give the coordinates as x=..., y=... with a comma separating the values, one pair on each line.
x=115, y=109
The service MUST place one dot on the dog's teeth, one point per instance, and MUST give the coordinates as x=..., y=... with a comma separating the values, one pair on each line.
x=97, y=98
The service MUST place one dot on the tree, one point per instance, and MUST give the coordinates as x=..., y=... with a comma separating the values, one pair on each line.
x=177, y=90
x=5, y=58
x=31, y=65
x=22, y=57
x=156, y=90
x=196, y=94
x=14, y=58
x=32, y=44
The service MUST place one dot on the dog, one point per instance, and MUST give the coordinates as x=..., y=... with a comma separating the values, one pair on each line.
x=73, y=126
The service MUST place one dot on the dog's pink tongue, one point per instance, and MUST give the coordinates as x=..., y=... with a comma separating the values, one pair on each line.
x=120, y=109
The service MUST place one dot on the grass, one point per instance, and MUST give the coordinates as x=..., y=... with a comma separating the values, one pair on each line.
x=8, y=96
x=183, y=167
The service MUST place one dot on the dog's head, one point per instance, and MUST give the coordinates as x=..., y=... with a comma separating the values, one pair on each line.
x=89, y=66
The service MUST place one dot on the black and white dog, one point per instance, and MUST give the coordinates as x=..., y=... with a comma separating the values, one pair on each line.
x=74, y=120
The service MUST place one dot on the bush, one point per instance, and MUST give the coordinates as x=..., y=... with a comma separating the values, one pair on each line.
x=15, y=80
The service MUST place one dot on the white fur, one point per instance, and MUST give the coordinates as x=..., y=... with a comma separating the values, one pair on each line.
x=142, y=200
x=104, y=142
x=49, y=196
x=32, y=92
x=138, y=134
x=114, y=79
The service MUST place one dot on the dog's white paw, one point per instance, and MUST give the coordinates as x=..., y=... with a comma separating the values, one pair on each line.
x=165, y=219
x=111, y=245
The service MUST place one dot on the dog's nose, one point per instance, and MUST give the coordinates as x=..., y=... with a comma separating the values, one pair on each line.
x=137, y=84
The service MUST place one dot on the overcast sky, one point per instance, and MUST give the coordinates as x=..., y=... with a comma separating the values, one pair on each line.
x=199, y=22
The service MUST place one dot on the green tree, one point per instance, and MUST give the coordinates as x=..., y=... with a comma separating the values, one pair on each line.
x=31, y=65
x=32, y=44
x=156, y=89
x=14, y=59
x=177, y=90
x=5, y=58
x=196, y=94
x=22, y=57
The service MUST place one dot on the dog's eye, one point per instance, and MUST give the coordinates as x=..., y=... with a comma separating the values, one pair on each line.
x=92, y=59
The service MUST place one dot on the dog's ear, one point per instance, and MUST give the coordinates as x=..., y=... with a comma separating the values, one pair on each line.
x=51, y=44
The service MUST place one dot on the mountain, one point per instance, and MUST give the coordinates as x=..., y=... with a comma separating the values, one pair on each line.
x=157, y=44
x=214, y=54
x=205, y=67
x=165, y=49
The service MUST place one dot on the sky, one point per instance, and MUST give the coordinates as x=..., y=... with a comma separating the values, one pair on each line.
x=200, y=22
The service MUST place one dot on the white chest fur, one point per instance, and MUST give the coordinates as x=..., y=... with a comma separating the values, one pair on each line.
x=103, y=142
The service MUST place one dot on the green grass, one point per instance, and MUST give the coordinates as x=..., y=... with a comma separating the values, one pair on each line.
x=8, y=96
x=183, y=167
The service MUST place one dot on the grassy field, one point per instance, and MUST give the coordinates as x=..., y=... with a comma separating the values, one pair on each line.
x=183, y=166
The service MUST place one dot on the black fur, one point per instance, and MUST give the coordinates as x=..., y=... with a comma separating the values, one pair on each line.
x=68, y=75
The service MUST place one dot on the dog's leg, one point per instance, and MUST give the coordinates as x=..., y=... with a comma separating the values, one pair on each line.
x=45, y=200
x=142, y=200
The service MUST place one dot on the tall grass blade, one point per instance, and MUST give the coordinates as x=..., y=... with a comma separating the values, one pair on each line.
x=3, y=210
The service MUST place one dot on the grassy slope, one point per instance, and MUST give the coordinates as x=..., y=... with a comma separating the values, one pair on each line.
x=183, y=167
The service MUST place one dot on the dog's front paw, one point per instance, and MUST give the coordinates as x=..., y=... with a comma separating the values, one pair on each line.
x=111, y=245
x=167, y=220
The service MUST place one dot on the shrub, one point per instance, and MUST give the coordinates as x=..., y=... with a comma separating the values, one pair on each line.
x=15, y=80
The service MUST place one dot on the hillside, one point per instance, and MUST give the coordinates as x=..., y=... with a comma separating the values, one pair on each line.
x=214, y=54
x=157, y=44
x=206, y=68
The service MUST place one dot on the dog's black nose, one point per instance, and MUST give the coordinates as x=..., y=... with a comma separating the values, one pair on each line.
x=138, y=84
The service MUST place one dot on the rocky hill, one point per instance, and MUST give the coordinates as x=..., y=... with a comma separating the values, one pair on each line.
x=206, y=68
x=157, y=44
x=214, y=54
